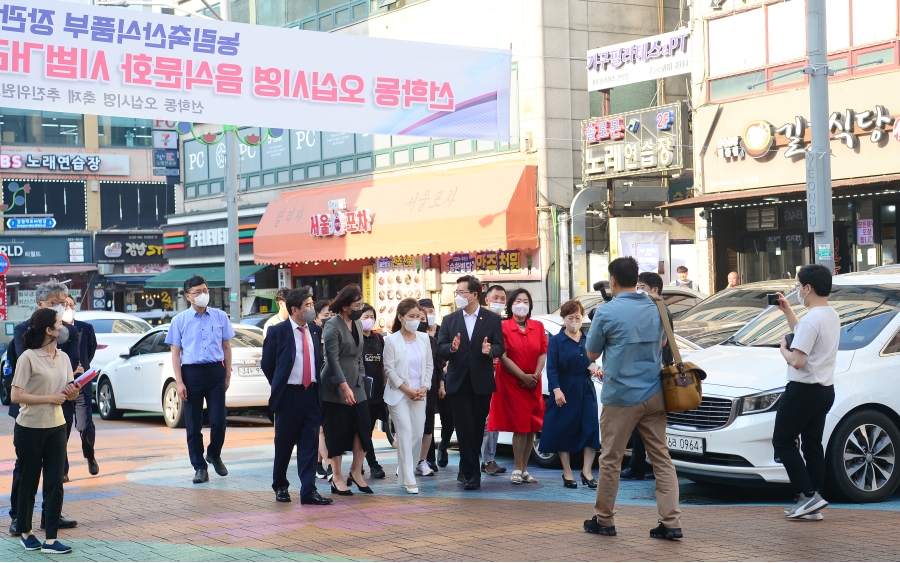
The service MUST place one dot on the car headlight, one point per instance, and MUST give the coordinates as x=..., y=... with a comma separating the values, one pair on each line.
x=763, y=402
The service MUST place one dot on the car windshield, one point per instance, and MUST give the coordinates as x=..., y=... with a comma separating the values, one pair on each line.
x=730, y=305
x=589, y=301
x=119, y=326
x=864, y=312
x=246, y=338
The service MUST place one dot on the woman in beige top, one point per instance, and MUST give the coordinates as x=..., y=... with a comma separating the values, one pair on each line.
x=42, y=382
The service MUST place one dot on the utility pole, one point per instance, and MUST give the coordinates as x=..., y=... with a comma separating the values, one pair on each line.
x=232, y=244
x=818, y=157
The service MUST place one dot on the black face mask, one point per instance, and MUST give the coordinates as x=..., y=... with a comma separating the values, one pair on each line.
x=355, y=315
x=423, y=326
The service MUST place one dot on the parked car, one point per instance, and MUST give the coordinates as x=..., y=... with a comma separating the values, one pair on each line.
x=257, y=319
x=114, y=331
x=142, y=379
x=720, y=316
x=728, y=439
x=677, y=299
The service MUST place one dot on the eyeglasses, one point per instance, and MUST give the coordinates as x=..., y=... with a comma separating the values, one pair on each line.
x=462, y=293
x=356, y=306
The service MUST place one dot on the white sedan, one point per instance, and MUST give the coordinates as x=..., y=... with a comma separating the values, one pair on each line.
x=114, y=331
x=728, y=439
x=142, y=379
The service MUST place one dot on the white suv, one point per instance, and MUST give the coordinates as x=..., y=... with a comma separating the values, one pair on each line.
x=728, y=439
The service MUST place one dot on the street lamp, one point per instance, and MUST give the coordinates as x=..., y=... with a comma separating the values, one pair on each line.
x=126, y=3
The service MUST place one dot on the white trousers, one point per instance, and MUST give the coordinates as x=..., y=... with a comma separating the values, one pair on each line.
x=409, y=425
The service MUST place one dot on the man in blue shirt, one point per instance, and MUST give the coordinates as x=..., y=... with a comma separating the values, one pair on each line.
x=628, y=332
x=201, y=359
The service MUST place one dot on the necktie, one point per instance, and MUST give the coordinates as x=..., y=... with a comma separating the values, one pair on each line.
x=307, y=361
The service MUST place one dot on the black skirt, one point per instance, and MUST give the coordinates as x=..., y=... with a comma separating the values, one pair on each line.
x=342, y=423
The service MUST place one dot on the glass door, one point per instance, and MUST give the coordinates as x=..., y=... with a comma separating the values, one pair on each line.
x=796, y=254
x=888, y=234
x=752, y=259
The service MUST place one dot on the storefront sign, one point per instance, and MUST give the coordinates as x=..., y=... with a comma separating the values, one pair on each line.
x=3, y=302
x=128, y=248
x=32, y=250
x=147, y=268
x=341, y=222
x=31, y=162
x=760, y=137
x=87, y=59
x=461, y=264
x=167, y=172
x=865, y=232
x=208, y=237
x=164, y=125
x=651, y=58
x=201, y=237
x=165, y=140
x=368, y=284
x=166, y=158
x=402, y=279
x=494, y=262
x=635, y=143
x=32, y=223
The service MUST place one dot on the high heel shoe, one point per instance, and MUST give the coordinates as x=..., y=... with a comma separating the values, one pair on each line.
x=569, y=483
x=366, y=489
x=336, y=491
x=591, y=483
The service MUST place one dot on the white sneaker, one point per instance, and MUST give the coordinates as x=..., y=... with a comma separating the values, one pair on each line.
x=424, y=469
x=814, y=516
x=806, y=505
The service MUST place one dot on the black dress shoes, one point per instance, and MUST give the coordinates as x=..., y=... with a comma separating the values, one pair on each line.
x=662, y=533
x=217, y=465
x=472, y=484
x=282, y=495
x=316, y=498
x=593, y=527
x=201, y=476
x=93, y=468
x=63, y=523
x=13, y=531
x=460, y=477
x=377, y=471
x=630, y=474
x=442, y=458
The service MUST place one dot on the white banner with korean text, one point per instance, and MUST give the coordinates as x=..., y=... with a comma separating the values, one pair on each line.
x=65, y=57
x=650, y=58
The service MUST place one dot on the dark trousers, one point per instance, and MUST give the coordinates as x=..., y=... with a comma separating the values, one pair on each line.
x=204, y=381
x=68, y=409
x=446, y=411
x=470, y=412
x=376, y=412
x=297, y=421
x=40, y=449
x=84, y=420
x=638, y=461
x=801, y=412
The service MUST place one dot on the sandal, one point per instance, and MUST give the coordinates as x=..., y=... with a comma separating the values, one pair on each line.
x=516, y=477
x=526, y=477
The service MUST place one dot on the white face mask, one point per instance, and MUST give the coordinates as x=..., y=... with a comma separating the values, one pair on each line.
x=61, y=309
x=520, y=309
x=68, y=316
x=573, y=326
x=497, y=307
x=368, y=324
x=801, y=300
x=201, y=300
x=432, y=320
x=640, y=292
x=461, y=302
x=411, y=326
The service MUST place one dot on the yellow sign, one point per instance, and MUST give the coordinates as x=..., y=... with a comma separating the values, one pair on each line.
x=368, y=284
x=576, y=240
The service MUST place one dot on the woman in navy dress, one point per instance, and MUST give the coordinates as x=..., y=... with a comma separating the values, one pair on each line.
x=571, y=423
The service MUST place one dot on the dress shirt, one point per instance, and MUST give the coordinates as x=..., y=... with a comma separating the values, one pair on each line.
x=302, y=339
x=628, y=332
x=200, y=336
x=470, y=321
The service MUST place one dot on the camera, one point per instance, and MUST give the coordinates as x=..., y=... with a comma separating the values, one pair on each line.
x=772, y=298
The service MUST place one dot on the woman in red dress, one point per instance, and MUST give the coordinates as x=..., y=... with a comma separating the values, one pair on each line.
x=517, y=405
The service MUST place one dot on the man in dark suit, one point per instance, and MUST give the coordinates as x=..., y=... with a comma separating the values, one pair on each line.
x=469, y=339
x=84, y=420
x=51, y=294
x=291, y=360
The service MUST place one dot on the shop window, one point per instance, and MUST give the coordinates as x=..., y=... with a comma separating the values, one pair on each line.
x=298, y=174
x=342, y=17
x=383, y=160
x=64, y=201
x=240, y=11
x=346, y=166
x=873, y=21
x=837, y=23
x=330, y=168
x=254, y=182
x=886, y=56
x=135, y=206
x=190, y=192
x=202, y=190
x=786, y=77
x=30, y=127
x=310, y=25
x=284, y=176
x=866, y=253
x=485, y=146
x=764, y=218
x=420, y=154
x=734, y=86
x=462, y=147
x=442, y=150
x=313, y=172
x=326, y=23
x=888, y=234
x=401, y=157
x=364, y=163
x=124, y=132
x=300, y=9
x=270, y=12
x=215, y=187
x=359, y=11
x=269, y=179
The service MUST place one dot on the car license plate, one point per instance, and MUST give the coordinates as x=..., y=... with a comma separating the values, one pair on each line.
x=250, y=371
x=685, y=444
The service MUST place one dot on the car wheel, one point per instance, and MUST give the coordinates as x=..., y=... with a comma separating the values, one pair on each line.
x=106, y=400
x=173, y=409
x=861, y=458
x=4, y=394
x=541, y=459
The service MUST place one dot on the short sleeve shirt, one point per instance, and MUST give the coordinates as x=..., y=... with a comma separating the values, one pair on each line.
x=817, y=334
x=39, y=373
x=200, y=336
x=628, y=332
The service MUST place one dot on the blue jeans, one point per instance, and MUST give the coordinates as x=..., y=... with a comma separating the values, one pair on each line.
x=204, y=381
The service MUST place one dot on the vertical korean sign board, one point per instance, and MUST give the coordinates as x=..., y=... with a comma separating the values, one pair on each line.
x=66, y=57
x=4, y=267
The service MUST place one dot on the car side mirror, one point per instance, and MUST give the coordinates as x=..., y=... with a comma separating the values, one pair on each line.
x=125, y=353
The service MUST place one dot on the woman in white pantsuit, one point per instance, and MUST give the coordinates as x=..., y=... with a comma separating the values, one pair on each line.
x=408, y=364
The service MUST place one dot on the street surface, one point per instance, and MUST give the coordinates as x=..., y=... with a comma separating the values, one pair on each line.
x=143, y=507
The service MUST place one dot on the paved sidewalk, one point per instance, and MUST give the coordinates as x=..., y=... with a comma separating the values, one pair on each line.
x=143, y=507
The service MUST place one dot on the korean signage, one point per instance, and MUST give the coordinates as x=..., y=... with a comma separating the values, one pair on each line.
x=166, y=158
x=65, y=57
x=865, y=232
x=493, y=262
x=850, y=127
x=340, y=221
x=128, y=248
x=32, y=162
x=635, y=143
x=29, y=250
x=651, y=58
x=30, y=223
